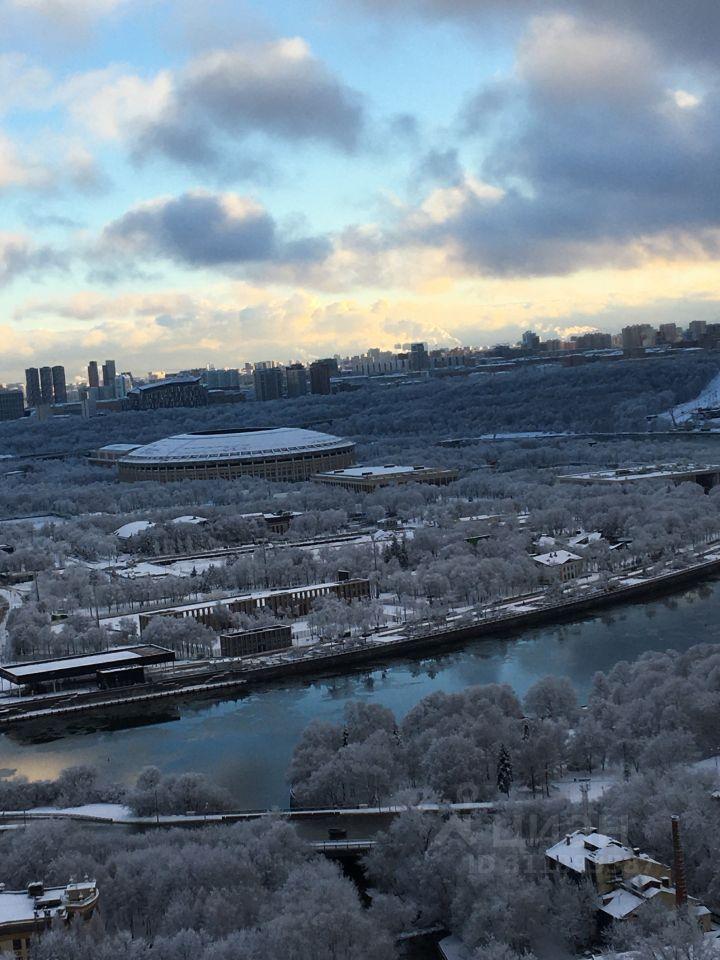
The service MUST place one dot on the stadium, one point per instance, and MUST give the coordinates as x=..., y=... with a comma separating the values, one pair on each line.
x=283, y=453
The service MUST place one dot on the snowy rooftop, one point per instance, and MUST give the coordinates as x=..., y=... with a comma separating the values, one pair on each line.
x=386, y=470
x=620, y=903
x=556, y=558
x=17, y=907
x=253, y=595
x=118, y=447
x=189, y=519
x=40, y=669
x=573, y=850
x=130, y=529
x=584, y=539
x=649, y=472
x=235, y=444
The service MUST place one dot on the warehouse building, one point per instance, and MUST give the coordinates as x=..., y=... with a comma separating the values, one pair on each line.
x=246, y=643
x=283, y=453
x=367, y=479
x=92, y=668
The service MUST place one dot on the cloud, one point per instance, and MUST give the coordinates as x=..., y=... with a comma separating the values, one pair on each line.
x=563, y=59
x=691, y=30
x=23, y=84
x=64, y=13
x=21, y=166
x=19, y=256
x=208, y=114
x=112, y=103
x=17, y=170
x=202, y=229
x=594, y=157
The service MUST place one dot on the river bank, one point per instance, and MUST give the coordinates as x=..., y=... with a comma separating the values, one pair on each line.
x=231, y=678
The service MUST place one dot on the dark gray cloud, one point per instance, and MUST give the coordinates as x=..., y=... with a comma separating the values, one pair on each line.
x=441, y=166
x=277, y=89
x=690, y=28
x=202, y=229
x=602, y=158
x=19, y=257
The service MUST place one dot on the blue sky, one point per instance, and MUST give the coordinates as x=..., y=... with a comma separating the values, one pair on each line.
x=182, y=186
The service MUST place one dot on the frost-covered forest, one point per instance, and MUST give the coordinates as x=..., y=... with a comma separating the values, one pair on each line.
x=425, y=562
x=640, y=717
x=256, y=890
x=600, y=397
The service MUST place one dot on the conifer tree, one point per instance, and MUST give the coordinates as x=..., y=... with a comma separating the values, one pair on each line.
x=504, y=771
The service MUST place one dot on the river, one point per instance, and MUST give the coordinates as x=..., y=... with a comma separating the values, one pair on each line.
x=246, y=743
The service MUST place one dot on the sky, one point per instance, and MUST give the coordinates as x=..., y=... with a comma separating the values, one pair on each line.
x=184, y=184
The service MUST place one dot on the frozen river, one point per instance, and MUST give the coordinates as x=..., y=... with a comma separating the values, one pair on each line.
x=245, y=744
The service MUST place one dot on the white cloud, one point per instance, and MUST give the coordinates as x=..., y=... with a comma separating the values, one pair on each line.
x=685, y=100
x=447, y=202
x=23, y=84
x=112, y=104
x=17, y=169
x=67, y=11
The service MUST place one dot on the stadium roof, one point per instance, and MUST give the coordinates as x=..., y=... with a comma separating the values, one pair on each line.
x=234, y=445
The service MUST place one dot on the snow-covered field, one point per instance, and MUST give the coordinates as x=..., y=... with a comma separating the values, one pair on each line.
x=709, y=397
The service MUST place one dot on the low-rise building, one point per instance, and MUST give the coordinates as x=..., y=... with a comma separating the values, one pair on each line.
x=26, y=914
x=367, y=479
x=561, y=564
x=177, y=392
x=246, y=643
x=288, y=602
x=625, y=879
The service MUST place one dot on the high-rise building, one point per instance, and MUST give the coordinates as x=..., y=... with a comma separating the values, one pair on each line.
x=418, y=357
x=33, y=397
x=93, y=374
x=530, y=340
x=696, y=329
x=638, y=335
x=268, y=383
x=320, y=373
x=59, y=384
x=669, y=332
x=123, y=383
x=593, y=341
x=224, y=379
x=46, y=386
x=108, y=378
x=11, y=405
x=296, y=379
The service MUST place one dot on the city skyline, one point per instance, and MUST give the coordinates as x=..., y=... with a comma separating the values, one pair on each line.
x=632, y=337
x=246, y=181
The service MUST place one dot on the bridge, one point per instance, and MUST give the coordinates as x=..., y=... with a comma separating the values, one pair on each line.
x=337, y=832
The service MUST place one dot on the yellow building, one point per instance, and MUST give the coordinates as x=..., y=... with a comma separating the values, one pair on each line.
x=26, y=914
x=625, y=878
